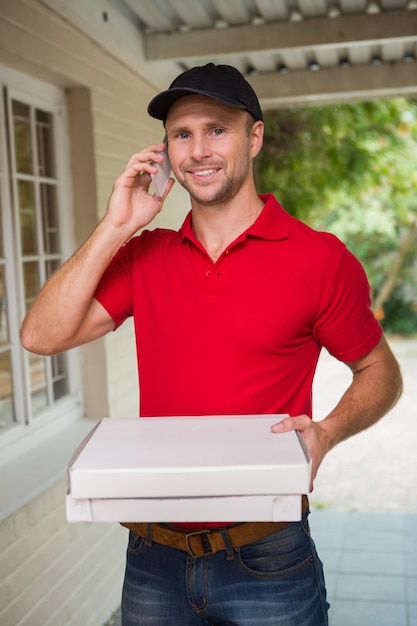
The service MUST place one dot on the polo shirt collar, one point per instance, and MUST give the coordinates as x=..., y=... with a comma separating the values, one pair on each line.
x=273, y=223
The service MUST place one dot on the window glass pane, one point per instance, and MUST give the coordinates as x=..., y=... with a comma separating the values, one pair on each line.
x=31, y=282
x=7, y=418
x=27, y=216
x=44, y=131
x=38, y=391
x=59, y=373
x=51, y=266
x=50, y=219
x=22, y=138
x=4, y=323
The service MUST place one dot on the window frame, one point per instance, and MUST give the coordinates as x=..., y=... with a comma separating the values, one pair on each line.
x=28, y=433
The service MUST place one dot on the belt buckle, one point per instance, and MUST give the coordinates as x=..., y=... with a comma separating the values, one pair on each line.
x=205, y=543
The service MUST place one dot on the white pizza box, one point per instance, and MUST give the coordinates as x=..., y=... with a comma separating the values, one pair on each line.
x=188, y=456
x=211, y=468
x=176, y=510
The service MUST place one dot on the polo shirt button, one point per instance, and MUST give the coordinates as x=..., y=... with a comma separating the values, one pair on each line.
x=208, y=273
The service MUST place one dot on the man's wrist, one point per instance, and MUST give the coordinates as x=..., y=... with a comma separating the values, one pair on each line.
x=114, y=235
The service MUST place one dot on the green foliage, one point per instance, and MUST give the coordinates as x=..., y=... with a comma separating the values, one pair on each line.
x=309, y=153
x=400, y=316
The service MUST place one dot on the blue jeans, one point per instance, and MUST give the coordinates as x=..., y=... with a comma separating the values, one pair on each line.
x=277, y=581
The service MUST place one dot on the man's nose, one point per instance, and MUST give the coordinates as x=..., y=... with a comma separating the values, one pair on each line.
x=200, y=148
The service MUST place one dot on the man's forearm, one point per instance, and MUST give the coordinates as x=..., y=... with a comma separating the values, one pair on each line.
x=54, y=319
x=374, y=391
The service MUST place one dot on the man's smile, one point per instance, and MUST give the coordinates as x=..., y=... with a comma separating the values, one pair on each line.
x=204, y=173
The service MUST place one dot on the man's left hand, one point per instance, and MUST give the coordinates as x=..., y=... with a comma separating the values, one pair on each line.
x=312, y=433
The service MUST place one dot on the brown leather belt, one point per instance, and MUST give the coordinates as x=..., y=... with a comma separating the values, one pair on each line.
x=210, y=540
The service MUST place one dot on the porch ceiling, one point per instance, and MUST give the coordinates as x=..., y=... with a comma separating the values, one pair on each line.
x=292, y=51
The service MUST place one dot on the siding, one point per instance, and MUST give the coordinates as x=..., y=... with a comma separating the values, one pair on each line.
x=53, y=573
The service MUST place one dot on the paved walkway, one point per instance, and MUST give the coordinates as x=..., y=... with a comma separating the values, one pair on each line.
x=370, y=563
x=364, y=507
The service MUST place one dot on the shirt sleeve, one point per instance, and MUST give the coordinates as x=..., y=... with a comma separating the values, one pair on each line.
x=345, y=324
x=114, y=291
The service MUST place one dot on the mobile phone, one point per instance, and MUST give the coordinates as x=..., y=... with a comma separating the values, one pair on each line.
x=160, y=179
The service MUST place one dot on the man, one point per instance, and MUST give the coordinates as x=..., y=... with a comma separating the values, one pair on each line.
x=230, y=316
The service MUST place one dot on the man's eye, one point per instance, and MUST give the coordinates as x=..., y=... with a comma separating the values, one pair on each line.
x=183, y=135
x=218, y=131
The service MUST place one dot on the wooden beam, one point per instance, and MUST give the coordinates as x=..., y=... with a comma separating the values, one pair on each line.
x=349, y=30
x=367, y=82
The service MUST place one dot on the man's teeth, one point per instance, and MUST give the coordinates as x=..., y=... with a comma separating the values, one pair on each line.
x=204, y=172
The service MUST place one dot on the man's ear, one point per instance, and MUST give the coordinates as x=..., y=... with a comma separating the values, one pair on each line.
x=257, y=138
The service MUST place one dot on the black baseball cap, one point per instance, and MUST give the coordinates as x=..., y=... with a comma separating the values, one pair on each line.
x=223, y=83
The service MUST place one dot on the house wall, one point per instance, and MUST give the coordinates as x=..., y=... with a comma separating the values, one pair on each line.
x=53, y=573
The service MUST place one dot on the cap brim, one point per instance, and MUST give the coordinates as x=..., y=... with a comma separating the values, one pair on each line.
x=160, y=105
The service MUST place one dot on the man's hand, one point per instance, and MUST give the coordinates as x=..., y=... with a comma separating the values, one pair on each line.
x=312, y=433
x=131, y=206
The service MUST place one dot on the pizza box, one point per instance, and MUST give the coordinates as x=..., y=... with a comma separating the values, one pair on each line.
x=211, y=468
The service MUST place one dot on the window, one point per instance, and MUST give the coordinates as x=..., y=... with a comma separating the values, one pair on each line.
x=34, y=241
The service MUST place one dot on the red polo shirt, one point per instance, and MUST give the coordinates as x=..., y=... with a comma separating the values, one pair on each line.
x=241, y=335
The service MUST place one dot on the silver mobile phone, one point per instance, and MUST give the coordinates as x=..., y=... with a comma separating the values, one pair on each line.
x=160, y=179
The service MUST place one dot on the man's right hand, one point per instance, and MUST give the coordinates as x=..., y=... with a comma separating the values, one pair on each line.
x=131, y=206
